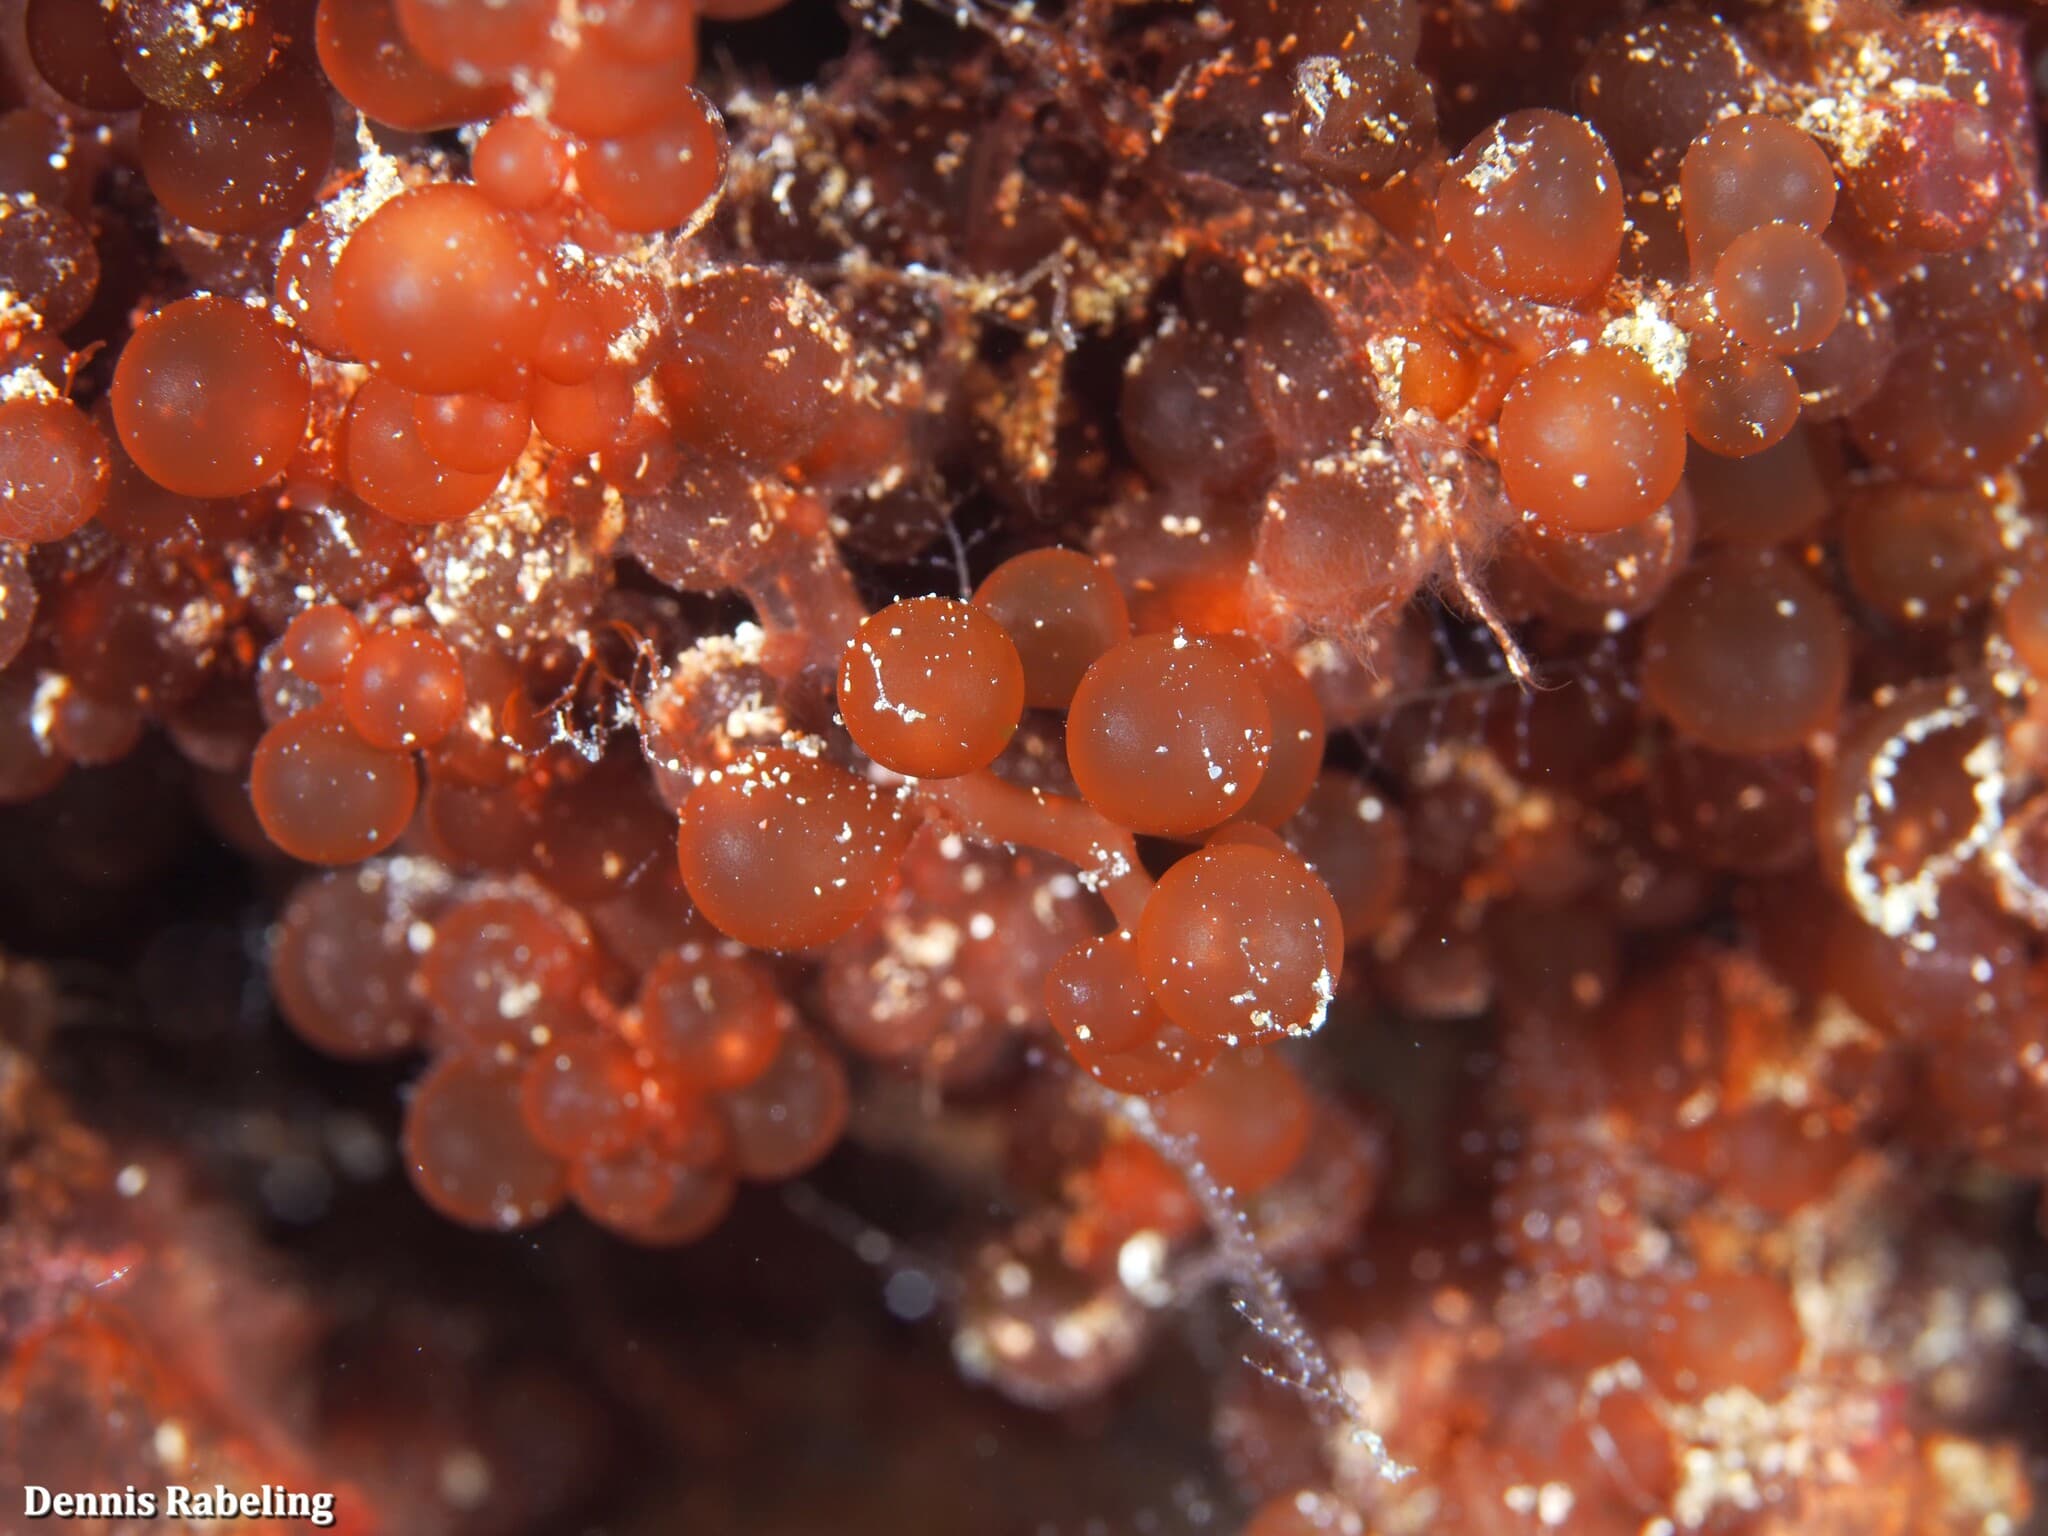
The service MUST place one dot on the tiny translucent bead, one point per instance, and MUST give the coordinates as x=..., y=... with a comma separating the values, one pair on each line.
x=319, y=642
x=1591, y=440
x=1779, y=289
x=1749, y=171
x=1169, y=735
x=931, y=687
x=55, y=469
x=1747, y=653
x=1061, y=610
x=715, y=1015
x=440, y=292
x=1240, y=943
x=1099, y=1003
x=211, y=397
x=507, y=970
x=325, y=795
x=781, y=850
x=1532, y=208
x=787, y=1119
x=519, y=163
x=664, y=176
x=1248, y=1118
x=341, y=969
x=403, y=688
x=1739, y=403
x=469, y=1152
x=580, y=1096
x=474, y=433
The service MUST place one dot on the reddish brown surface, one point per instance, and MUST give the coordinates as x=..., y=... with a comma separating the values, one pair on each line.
x=1465, y=584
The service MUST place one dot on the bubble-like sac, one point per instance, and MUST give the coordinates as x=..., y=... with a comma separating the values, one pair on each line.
x=1242, y=943
x=477, y=39
x=403, y=688
x=649, y=1198
x=580, y=1096
x=1187, y=413
x=788, y=1118
x=1347, y=536
x=784, y=850
x=211, y=397
x=1392, y=27
x=1363, y=118
x=520, y=163
x=1169, y=735
x=474, y=434
x=1532, y=208
x=713, y=1014
x=319, y=642
x=506, y=970
x=1062, y=611
x=1966, y=402
x=376, y=71
x=469, y=1152
x=47, y=261
x=1097, y=1000
x=1750, y=815
x=194, y=53
x=391, y=468
x=325, y=795
x=1591, y=439
x=1747, y=653
x=1932, y=172
x=1740, y=402
x=1730, y=1330
x=1843, y=372
x=755, y=365
x=250, y=168
x=72, y=47
x=700, y=526
x=1763, y=498
x=1924, y=555
x=55, y=468
x=1308, y=388
x=342, y=960
x=604, y=87
x=592, y=415
x=1779, y=288
x=1247, y=1118
x=1627, y=571
x=93, y=732
x=931, y=687
x=667, y=175
x=1653, y=87
x=1749, y=171
x=439, y=290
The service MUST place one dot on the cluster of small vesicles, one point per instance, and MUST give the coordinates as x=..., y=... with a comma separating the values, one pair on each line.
x=1587, y=579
